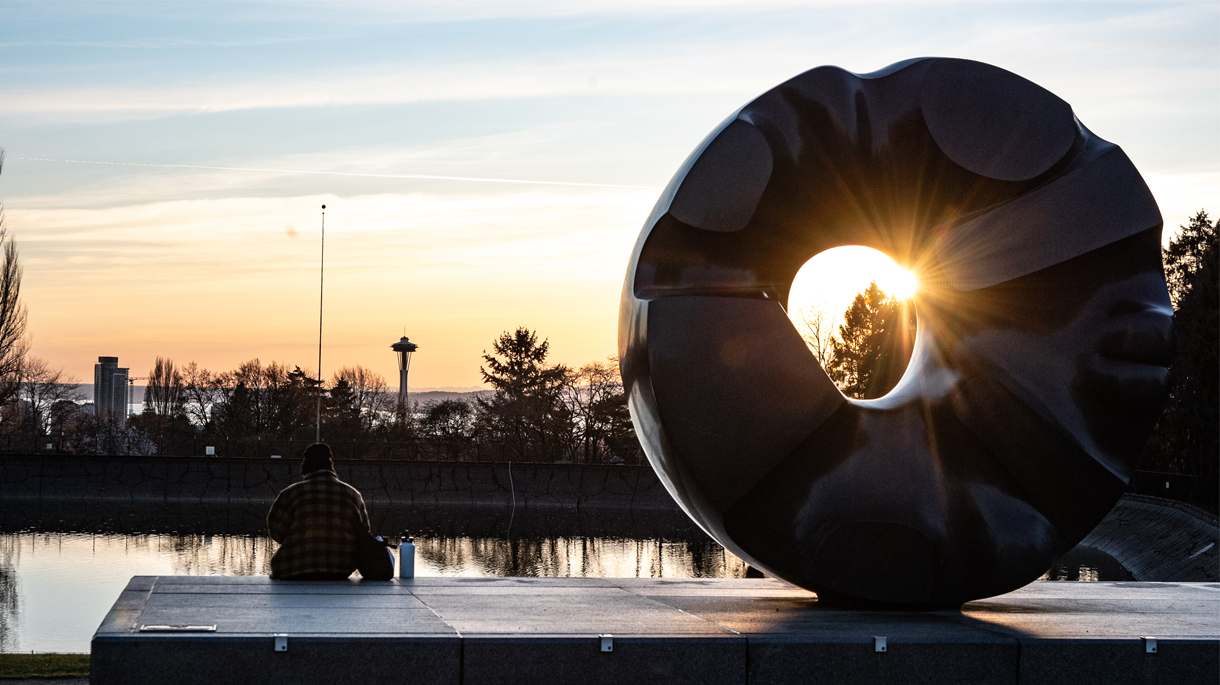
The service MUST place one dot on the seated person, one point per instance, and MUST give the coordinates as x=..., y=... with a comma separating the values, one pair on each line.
x=316, y=522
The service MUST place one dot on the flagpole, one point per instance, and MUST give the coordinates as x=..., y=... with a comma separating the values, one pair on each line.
x=321, y=285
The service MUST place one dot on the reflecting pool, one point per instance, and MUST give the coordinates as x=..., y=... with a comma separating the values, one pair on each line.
x=58, y=578
x=62, y=567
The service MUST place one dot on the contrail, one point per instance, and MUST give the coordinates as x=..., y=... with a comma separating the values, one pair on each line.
x=345, y=173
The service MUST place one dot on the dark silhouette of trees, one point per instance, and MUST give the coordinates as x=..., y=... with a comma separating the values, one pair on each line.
x=594, y=395
x=46, y=399
x=200, y=394
x=448, y=429
x=164, y=393
x=1185, y=439
x=13, y=343
x=267, y=400
x=360, y=396
x=815, y=323
x=164, y=419
x=536, y=412
x=874, y=344
x=525, y=413
x=357, y=402
x=1190, y=257
x=450, y=420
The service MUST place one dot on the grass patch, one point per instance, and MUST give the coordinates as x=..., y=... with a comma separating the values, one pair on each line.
x=44, y=665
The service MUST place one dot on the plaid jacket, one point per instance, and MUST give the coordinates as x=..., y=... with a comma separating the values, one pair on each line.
x=315, y=521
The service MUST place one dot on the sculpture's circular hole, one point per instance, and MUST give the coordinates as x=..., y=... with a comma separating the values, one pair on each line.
x=854, y=307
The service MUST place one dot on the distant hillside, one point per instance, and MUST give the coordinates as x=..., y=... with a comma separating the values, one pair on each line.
x=423, y=397
x=441, y=395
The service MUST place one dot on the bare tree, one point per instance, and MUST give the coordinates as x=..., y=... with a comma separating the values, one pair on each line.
x=816, y=324
x=46, y=393
x=164, y=394
x=199, y=394
x=13, y=343
x=368, y=393
x=592, y=393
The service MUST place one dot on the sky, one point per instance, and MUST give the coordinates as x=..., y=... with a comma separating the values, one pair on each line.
x=167, y=162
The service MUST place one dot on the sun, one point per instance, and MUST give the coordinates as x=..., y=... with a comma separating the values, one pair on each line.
x=899, y=283
x=826, y=285
x=832, y=278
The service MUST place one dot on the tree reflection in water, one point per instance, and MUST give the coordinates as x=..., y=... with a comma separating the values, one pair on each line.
x=246, y=555
x=575, y=557
x=468, y=541
x=221, y=555
x=10, y=596
x=190, y=554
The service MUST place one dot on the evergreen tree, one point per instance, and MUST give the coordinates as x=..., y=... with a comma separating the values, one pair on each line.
x=1185, y=439
x=874, y=344
x=525, y=412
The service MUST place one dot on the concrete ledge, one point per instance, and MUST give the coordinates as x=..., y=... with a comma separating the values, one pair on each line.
x=1158, y=539
x=544, y=630
x=235, y=482
x=244, y=659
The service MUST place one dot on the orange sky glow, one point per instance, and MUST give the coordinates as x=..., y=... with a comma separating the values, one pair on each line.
x=485, y=165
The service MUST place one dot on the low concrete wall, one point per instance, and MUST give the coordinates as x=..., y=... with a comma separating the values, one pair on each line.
x=1153, y=538
x=218, y=480
x=1158, y=539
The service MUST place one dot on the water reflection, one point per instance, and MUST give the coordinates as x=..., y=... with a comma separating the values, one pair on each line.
x=1087, y=564
x=63, y=565
x=10, y=595
x=473, y=522
x=575, y=557
x=61, y=568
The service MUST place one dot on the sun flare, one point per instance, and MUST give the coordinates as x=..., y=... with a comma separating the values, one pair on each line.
x=832, y=278
x=826, y=285
x=900, y=283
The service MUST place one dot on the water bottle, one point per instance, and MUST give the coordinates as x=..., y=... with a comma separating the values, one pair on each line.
x=406, y=557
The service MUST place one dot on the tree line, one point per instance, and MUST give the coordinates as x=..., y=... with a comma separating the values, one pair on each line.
x=1186, y=439
x=534, y=411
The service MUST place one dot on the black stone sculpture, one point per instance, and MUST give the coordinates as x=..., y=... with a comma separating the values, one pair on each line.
x=1040, y=361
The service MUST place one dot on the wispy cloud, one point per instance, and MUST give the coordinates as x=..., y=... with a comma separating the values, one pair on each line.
x=401, y=84
x=341, y=173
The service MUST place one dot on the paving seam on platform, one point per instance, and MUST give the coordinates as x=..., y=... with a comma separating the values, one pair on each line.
x=666, y=604
x=438, y=616
x=143, y=607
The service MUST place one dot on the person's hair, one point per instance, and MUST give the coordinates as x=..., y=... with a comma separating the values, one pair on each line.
x=317, y=458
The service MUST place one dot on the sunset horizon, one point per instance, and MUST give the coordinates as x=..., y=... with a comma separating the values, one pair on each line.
x=483, y=168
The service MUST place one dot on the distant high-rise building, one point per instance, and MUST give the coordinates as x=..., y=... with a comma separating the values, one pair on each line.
x=109, y=388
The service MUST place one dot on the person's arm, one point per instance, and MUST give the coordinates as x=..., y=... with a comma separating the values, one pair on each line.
x=279, y=519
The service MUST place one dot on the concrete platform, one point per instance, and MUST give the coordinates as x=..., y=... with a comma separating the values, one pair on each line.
x=545, y=630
